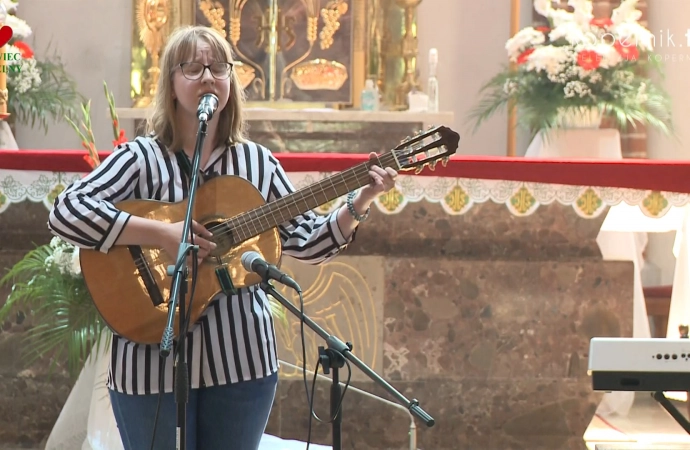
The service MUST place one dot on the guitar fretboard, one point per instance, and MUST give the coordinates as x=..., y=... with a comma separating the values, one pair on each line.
x=266, y=217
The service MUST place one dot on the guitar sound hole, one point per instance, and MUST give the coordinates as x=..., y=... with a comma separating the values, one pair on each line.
x=222, y=236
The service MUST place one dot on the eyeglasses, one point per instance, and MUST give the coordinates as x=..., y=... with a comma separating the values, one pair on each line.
x=195, y=70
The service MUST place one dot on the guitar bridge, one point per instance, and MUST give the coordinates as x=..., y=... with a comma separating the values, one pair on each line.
x=224, y=280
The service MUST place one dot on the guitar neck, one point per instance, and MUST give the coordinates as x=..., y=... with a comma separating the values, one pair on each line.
x=268, y=216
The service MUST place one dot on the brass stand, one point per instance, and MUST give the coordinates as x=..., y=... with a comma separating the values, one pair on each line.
x=409, y=54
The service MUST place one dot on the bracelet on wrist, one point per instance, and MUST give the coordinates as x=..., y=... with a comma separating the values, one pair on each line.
x=351, y=208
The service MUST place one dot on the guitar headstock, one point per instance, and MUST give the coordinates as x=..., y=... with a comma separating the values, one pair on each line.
x=426, y=148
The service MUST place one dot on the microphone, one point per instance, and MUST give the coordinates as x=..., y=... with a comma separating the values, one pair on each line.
x=207, y=106
x=252, y=262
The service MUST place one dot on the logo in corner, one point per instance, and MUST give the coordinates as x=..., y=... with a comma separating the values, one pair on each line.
x=5, y=35
x=11, y=61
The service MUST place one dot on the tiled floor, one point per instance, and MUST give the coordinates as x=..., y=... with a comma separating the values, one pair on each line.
x=647, y=426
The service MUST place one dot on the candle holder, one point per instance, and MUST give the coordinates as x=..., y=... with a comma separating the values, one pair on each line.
x=4, y=94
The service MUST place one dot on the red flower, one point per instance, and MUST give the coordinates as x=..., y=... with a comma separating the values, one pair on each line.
x=628, y=52
x=588, y=59
x=121, y=139
x=24, y=49
x=543, y=29
x=604, y=22
x=524, y=55
x=90, y=161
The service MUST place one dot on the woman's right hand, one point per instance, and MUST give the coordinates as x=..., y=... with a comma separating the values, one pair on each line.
x=171, y=233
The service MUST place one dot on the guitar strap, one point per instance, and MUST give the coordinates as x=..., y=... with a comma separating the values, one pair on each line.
x=184, y=164
x=186, y=168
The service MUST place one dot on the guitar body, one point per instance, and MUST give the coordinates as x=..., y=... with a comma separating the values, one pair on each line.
x=116, y=282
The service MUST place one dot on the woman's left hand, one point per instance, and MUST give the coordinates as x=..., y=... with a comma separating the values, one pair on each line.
x=382, y=180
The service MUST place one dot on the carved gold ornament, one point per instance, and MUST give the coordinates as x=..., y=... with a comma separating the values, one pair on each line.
x=214, y=13
x=245, y=73
x=152, y=17
x=312, y=7
x=331, y=18
x=235, y=26
x=319, y=74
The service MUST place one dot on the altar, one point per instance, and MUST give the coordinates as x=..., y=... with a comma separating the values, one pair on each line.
x=316, y=130
x=474, y=288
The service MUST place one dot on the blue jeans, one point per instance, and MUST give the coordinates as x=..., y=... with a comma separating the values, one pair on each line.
x=229, y=417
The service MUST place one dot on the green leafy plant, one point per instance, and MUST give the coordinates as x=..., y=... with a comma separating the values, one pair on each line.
x=579, y=64
x=55, y=98
x=48, y=283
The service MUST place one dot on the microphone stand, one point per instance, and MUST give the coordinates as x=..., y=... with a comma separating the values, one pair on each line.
x=178, y=292
x=333, y=358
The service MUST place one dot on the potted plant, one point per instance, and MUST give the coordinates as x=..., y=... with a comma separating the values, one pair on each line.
x=41, y=90
x=577, y=70
x=49, y=284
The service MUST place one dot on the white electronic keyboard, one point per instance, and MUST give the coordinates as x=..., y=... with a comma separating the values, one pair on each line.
x=633, y=364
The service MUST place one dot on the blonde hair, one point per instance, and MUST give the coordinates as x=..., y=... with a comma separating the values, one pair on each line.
x=180, y=45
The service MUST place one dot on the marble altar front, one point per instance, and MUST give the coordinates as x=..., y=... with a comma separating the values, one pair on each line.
x=484, y=317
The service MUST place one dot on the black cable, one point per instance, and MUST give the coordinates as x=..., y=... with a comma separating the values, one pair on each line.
x=161, y=368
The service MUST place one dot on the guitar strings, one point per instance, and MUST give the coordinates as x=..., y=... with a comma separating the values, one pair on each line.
x=358, y=174
x=287, y=202
x=352, y=174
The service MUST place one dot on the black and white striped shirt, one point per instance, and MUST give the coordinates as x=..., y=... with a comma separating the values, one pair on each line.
x=234, y=340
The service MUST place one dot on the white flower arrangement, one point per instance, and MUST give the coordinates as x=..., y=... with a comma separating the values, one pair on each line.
x=65, y=257
x=9, y=5
x=579, y=62
x=20, y=29
x=28, y=76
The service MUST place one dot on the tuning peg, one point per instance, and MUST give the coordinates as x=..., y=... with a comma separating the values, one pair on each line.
x=444, y=161
x=432, y=165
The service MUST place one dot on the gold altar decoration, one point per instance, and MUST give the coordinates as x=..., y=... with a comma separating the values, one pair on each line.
x=152, y=24
x=344, y=297
x=456, y=196
x=292, y=53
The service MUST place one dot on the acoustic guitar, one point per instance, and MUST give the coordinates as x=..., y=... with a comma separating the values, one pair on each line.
x=130, y=286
